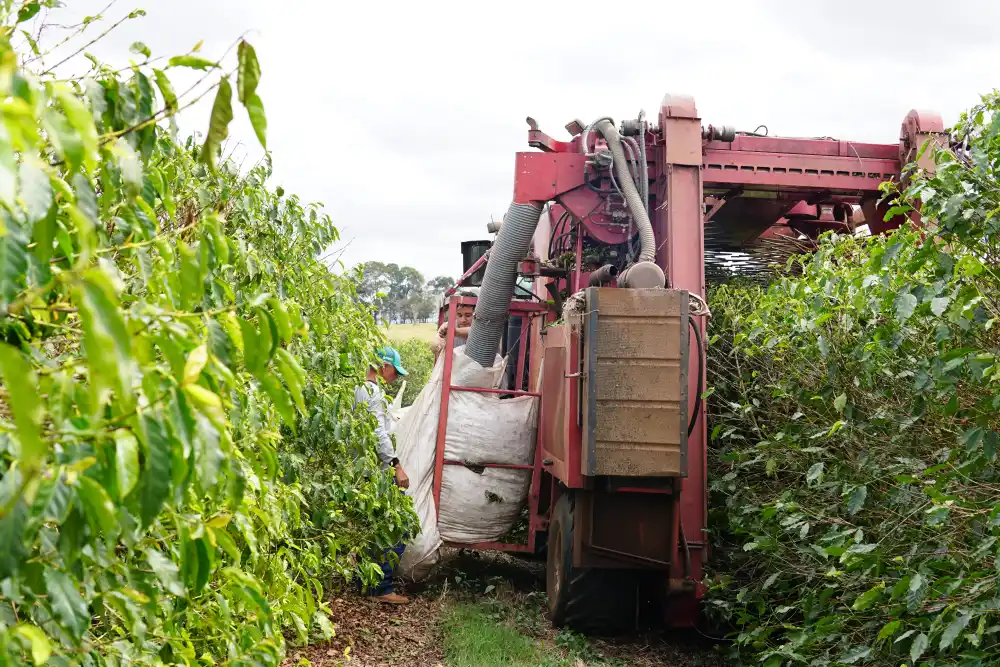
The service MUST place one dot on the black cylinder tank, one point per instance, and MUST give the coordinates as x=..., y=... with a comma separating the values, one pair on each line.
x=471, y=252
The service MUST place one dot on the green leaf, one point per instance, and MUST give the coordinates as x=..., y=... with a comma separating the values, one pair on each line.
x=82, y=121
x=268, y=338
x=281, y=400
x=815, y=473
x=68, y=605
x=12, y=543
x=195, y=364
x=209, y=453
x=916, y=591
x=854, y=654
x=971, y=438
x=954, y=629
x=32, y=42
x=27, y=408
x=206, y=562
x=208, y=403
x=28, y=11
x=868, y=598
x=86, y=200
x=888, y=630
x=218, y=125
x=107, y=341
x=281, y=320
x=258, y=119
x=192, y=283
x=856, y=499
x=905, y=303
x=34, y=189
x=840, y=402
x=918, y=647
x=140, y=49
x=194, y=62
x=157, y=473
x=126, y=462
x=14, y=262
x=325, y=626
x=227, y=544
x=41, y=648
x=940, y=305
x=166, y=88
x=8, y=171
x=293, y=375
x=251, y=346
x=67, y=143
x=166, y=571
x=248, y=75
x=100, y=510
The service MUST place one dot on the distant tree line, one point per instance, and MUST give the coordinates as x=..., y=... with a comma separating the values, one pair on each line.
x=400, y=293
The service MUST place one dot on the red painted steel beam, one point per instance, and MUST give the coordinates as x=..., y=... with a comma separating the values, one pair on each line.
x=811, y=147
x=679, y=222
x=796, y=172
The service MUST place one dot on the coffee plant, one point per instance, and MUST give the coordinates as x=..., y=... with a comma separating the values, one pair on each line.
x=855, y=480
x=181, y=474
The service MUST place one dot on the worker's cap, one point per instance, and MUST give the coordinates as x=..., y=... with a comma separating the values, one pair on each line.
x=389, y=356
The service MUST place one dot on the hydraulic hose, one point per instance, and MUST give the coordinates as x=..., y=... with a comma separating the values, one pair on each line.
x=647, y=252
x=489, y=320
x=642, y=160
x=701, y=371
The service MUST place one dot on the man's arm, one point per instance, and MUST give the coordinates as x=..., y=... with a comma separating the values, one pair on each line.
x=377, y=407
x=438, y=344
x=386, y=453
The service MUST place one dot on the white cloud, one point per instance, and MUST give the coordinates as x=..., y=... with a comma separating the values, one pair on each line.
x=403, y=118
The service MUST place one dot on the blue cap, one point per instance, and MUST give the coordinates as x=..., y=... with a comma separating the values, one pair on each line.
x=389, y=356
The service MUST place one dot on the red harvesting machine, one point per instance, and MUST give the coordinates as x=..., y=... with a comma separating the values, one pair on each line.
x=594, y=291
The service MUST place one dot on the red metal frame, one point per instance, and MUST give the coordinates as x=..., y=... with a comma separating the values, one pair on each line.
x=465, y=276
x=527, y=311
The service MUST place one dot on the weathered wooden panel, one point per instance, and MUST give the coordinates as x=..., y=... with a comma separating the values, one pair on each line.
x=635, y=382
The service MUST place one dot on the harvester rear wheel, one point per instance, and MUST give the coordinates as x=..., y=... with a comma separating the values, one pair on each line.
x=587, y=600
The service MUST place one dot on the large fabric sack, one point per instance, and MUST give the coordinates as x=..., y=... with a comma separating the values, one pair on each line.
x=477, y=504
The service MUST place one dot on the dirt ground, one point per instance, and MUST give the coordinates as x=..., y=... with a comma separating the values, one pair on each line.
x=372, y=634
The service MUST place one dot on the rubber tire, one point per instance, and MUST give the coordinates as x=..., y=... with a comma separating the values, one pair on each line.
x=594, y=601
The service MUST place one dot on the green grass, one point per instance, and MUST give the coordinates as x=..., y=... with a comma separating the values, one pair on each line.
x=425, y=331
x=503, y=633
x=473, y=639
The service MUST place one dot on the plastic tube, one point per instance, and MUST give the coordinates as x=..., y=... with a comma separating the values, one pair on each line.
x=489, y=320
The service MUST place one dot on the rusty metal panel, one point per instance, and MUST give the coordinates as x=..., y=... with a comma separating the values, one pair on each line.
x=630, y=530
x=635, y=382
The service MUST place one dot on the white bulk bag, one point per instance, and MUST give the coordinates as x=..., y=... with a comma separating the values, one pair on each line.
x=477, y=505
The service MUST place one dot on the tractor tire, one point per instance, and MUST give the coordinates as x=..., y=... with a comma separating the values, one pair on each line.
x=595, y=601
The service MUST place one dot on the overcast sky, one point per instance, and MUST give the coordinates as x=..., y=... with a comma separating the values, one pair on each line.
x=403, y=117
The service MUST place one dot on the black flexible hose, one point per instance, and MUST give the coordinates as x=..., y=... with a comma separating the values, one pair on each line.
x=701, y=372
x=685, y=547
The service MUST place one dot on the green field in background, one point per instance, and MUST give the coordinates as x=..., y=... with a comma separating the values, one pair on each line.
x=425, y=331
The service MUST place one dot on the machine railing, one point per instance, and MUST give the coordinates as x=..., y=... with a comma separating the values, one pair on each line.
x=527, y=311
